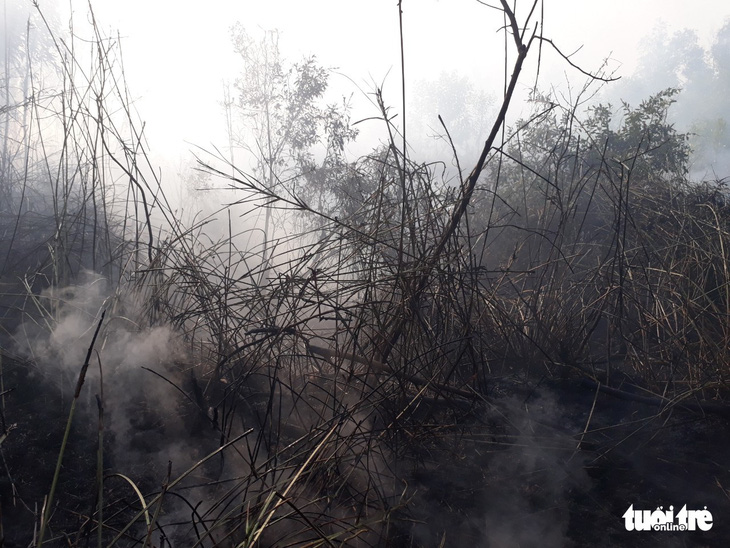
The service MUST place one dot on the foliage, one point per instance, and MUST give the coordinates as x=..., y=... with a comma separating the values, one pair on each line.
x=292, y=133
x=598, y=212
x=679, y=61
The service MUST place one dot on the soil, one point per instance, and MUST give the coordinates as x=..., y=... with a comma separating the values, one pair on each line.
x=520, y=474
x=533, y=487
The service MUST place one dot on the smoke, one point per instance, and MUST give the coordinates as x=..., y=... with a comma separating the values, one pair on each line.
x=155, y=403
x=508, y=483
x=530, y=484
x=136, y=401
x=57, y=338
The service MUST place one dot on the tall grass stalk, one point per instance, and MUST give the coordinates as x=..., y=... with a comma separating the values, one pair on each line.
x=100, y=461
x=47, y=509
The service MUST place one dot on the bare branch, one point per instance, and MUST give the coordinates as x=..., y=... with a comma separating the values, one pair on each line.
x=579, y=69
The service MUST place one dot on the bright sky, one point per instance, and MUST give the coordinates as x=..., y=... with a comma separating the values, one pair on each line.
x=178, y=53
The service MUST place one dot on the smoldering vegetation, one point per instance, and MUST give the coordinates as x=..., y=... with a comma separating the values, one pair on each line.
x=368, y=352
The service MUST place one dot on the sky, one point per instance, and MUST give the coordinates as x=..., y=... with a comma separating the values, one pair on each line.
x=178, y=54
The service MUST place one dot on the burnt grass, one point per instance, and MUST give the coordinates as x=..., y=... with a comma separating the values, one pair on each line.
x=536, y=489
x=518, y=471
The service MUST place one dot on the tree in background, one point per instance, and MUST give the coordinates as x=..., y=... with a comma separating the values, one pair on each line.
x=26, y=53
x=566, y=174
x=464, y=108
x=289, y=131
x=702, y=75
x=597, y=219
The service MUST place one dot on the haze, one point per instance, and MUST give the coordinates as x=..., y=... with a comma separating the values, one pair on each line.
x=179, y=54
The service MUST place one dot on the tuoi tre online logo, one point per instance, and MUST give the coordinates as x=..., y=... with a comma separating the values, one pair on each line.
x=665, y=520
